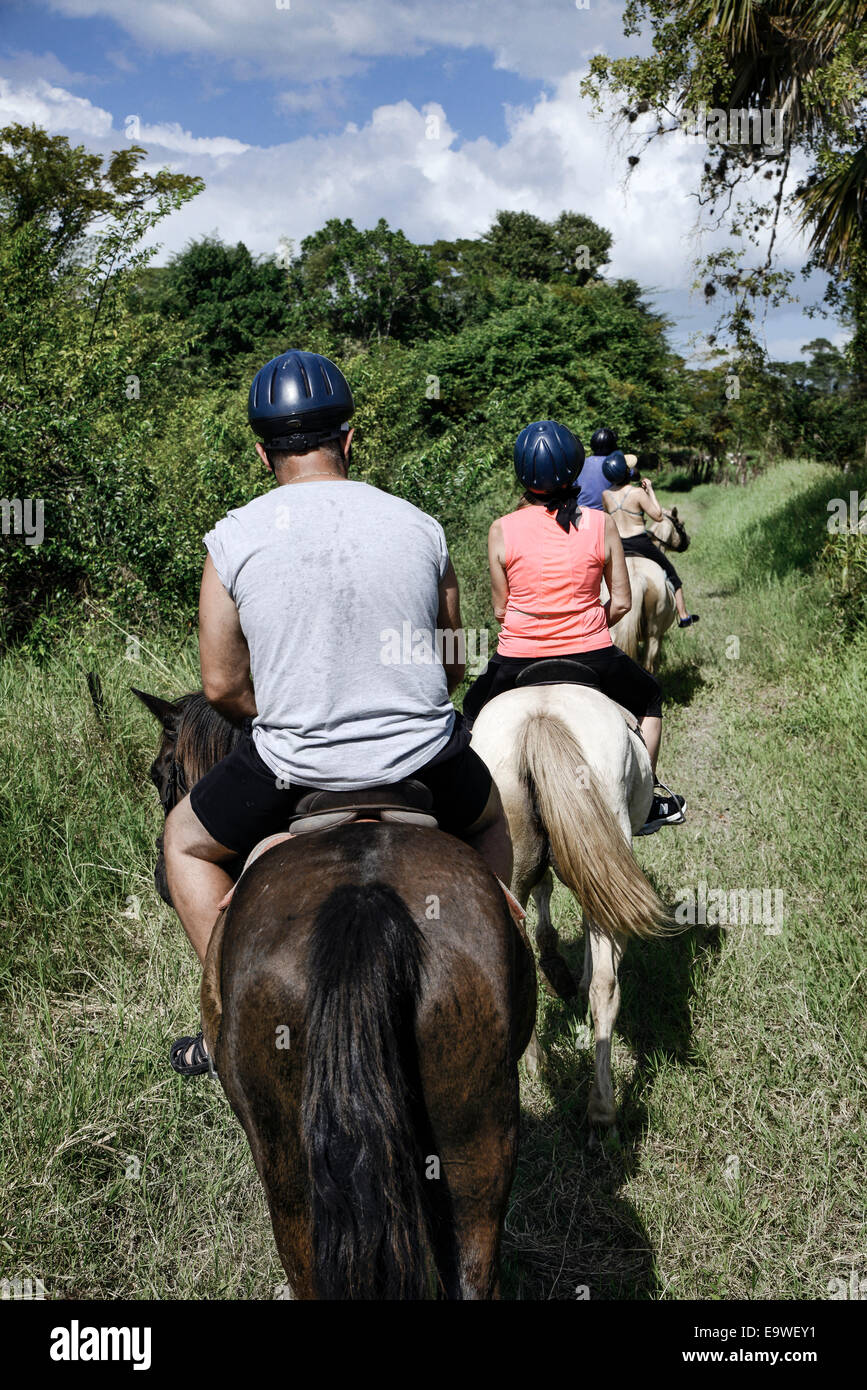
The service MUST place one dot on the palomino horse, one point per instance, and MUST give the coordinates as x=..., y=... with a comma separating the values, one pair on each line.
x=365, y=999
x=653, y=609
x=576, y=781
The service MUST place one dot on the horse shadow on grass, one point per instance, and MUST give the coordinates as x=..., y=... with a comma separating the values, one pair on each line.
x=570, y=1232
x=681, y=683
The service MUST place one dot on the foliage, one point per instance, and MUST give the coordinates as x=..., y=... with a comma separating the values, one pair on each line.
x=123, y=386
x=81, y=378
x=230, y=302
x=805, y=61
x=364, y=284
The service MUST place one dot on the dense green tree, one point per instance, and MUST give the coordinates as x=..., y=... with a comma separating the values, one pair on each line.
x=66, y=192
x=81, y=379
x=571, y=249
x=366, y=285
x=232, y=302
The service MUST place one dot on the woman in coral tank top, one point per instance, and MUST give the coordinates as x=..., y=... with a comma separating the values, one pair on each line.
x=547, y=560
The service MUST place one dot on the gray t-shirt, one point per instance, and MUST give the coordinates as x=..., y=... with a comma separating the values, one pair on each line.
x=337, y=589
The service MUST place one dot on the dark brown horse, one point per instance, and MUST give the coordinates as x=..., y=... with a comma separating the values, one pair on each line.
x=365, y=998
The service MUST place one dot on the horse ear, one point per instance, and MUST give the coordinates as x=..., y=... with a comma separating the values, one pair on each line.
x=674, y=514
x=163, y=710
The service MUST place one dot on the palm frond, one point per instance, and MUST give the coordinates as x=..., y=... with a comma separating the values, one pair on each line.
x=835, y=206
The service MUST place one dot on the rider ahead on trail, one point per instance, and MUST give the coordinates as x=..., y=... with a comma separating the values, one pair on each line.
x=591, y=480
x=547, y=560
x=307, y=594
x=629, y=502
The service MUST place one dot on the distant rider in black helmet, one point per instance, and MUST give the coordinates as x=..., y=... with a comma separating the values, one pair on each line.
x=591, y=481
x=629, y=498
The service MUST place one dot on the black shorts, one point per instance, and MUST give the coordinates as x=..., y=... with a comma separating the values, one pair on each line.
x=240, y=801
x=617, y=676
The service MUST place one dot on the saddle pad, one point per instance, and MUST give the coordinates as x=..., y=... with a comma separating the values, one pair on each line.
x=255, y=853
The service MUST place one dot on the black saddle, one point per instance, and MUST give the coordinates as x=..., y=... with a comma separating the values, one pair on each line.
x=406, y=802
x=556, y=670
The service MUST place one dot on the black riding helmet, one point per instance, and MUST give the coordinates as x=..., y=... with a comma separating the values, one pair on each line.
x=604, y=442
x=548, y=457
x=615, y=468
x=298, y=401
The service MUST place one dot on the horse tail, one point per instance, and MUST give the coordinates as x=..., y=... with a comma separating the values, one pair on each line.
x=629, y=631
x=591, y=854
x=361, y=1091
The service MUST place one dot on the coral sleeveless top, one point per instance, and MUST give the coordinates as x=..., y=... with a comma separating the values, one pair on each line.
x=554, y=580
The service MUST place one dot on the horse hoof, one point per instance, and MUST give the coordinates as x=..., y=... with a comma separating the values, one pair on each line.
x=603, y=1138
x=559, y=981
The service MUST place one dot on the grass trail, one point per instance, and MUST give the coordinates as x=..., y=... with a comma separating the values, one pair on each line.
x=739, y=1057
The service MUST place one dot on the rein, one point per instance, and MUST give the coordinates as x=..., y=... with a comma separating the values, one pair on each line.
x=202, y=738
x=176, y=788
x=679, y=528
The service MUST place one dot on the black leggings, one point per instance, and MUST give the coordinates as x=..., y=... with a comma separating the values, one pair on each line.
x=617, y=676
x=643, y=545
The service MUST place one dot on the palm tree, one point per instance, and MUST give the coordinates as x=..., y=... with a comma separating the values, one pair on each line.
x=776, y=48
x=835, y=206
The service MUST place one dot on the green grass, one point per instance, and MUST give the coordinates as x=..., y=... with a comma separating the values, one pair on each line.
x=119, y=1180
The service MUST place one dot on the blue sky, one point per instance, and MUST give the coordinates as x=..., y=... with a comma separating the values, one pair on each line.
x=433, y=115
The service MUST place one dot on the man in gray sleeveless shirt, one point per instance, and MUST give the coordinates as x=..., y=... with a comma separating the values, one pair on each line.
x=340, y=603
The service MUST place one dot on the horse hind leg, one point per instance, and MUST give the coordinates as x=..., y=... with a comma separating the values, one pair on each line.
x=558, y=976
x=651, y=632
x=607, y=953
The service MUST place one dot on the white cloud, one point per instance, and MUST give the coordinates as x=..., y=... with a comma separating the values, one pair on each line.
x=39, y=103
x=120, y=60
x=308, y=40
x=172, y=137
x=554, y=157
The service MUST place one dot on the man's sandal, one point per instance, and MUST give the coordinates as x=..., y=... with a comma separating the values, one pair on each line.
x=199, y=1061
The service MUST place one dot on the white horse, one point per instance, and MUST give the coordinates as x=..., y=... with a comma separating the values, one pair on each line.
x=652, y=613
x=653, y=608
x=575, y=780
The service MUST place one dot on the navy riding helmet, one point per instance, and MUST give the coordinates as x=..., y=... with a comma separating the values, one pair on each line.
x=615, y=468
x=298, y=401
x=604, y=442
x=547, y=457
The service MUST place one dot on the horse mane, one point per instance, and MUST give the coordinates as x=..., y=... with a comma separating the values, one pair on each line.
x=204, y=736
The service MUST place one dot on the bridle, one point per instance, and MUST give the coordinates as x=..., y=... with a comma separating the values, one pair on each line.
x=176, y=788
x=679, y=528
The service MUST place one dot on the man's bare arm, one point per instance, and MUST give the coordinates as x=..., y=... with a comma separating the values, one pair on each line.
x=451, y=627
x=223, y=652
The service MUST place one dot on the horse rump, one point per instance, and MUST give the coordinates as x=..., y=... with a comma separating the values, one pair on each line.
x=629, y=632
x=362, y=1108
